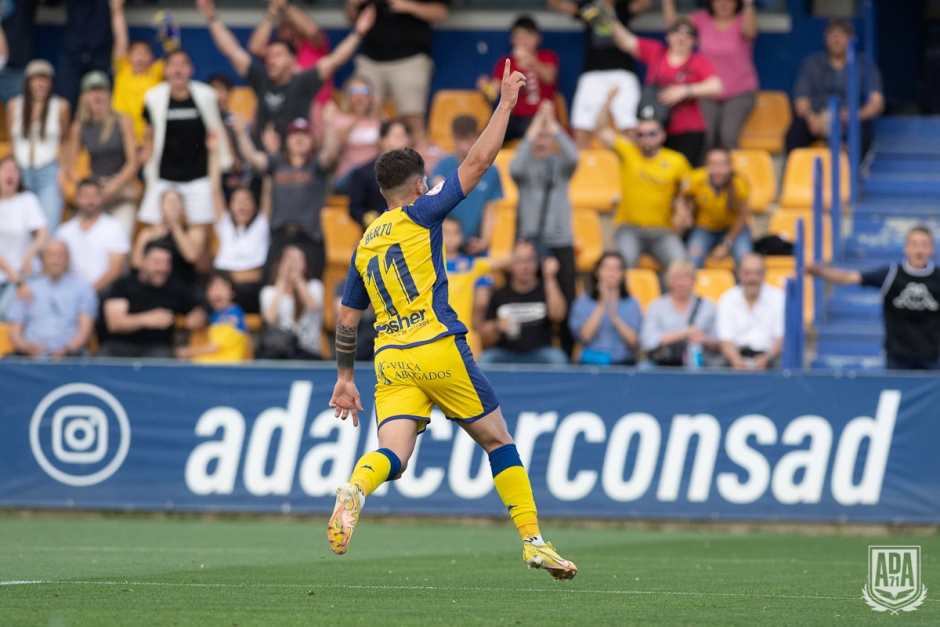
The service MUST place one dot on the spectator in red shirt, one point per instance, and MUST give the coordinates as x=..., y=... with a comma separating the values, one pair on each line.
x=540, y=68
x=680, y=76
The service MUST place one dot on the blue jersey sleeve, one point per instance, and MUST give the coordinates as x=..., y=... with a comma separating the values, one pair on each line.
x=431, y=209
x=355, y=295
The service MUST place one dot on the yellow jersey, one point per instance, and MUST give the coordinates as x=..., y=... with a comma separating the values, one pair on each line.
x=399, y=268
x=648, y=185
x=714, y=209
x=130, y=89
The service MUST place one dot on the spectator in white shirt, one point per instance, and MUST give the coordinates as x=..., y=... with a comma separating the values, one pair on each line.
x=751, y=319
x=97, y=241
x=22, y=232
x=292, y=309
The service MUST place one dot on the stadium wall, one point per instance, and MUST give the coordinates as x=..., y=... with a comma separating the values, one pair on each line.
x=608, y=444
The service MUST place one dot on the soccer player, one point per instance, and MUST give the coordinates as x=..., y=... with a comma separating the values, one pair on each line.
x=421, y=353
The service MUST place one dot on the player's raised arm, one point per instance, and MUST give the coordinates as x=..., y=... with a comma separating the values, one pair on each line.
x=487, y=146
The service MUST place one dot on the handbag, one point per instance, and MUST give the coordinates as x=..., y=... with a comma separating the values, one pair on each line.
x=673, y=355
x=277, y=343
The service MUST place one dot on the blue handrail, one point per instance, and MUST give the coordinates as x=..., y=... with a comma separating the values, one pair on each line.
x=792, y=358
x=818, y=240
x=855, y=126
x=835, y=161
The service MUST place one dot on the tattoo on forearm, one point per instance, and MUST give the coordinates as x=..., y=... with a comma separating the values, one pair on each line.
x=345, y=346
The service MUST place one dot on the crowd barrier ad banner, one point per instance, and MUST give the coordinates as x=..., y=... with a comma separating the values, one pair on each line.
x=614, y=444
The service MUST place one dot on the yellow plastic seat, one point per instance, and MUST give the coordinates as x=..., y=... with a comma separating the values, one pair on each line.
x=778, y=277
x=783, y=223
x=243, y=103
x=6, y=346
x=450, y=103
x=798, y=178
x=510, y=197
x=504, y=232
x=596, y=182
x=766, y=127
x=757, y=168
x=341, y=235
x=712, y=283
x=643, y=285
x=588, y=239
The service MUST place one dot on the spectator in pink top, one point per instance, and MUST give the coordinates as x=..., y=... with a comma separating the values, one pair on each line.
x=680, y=76
x=727, y=29
x=357, y=123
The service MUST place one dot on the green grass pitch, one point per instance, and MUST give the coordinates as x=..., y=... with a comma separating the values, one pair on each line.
x=157, y=571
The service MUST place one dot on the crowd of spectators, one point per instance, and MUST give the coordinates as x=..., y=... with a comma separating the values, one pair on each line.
x=184, y=218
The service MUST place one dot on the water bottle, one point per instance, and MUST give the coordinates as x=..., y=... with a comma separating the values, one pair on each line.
x=695, y=356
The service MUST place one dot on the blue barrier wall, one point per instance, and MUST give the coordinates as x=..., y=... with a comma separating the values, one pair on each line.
x=604, y=444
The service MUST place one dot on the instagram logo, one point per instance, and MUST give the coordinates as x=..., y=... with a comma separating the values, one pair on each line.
x=79, y=434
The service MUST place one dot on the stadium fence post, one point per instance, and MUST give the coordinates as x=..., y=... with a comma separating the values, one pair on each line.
x=835, y=158
x=798, y=291
x=818, y=241
x=855, y=127
x=789, y=359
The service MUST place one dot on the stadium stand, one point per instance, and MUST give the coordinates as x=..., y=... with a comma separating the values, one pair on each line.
x=757, y=167
x=712, y=283
x=766, y=128
x=643, y=285
x=6, y=346
x=596, y=182
x=589, y=240
x=446, y=105
x=243, y=103
x=798, y=178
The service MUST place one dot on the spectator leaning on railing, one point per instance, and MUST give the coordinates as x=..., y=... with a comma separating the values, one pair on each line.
x=56, y=316
x=606, y=67
x=751, y=319
x=607, y=321
x=727, y=29
x=911, y=302
x=823, y=75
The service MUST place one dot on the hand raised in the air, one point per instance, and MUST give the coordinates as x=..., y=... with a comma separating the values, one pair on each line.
x=512, y=83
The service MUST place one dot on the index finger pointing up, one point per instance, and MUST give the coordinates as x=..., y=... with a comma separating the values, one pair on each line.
x=507, y=70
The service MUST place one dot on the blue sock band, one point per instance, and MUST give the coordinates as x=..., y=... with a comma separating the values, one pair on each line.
x=394, y=461
x=503, y=458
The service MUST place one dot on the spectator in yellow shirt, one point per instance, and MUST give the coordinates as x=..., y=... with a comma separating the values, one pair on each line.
x=651, y=176
x=135, y=70
x=716, y=204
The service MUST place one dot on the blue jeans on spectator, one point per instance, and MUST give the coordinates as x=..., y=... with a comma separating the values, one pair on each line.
x=44, y=182
x=544, y=355
x=702, y=242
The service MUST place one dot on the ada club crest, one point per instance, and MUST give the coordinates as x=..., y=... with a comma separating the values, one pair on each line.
x=894, y=579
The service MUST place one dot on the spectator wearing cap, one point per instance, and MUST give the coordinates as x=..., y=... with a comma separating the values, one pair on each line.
x=365, y=200
x=676, y=77
x=300, y=178
x=86, y=44
x=396, y=54
x=825, y=74
x=283, y=94
x=98, y=243
x=727, y=30
x=56, y=318
x=108, y=138
x=17, y=37
x=751, y=319
x=181, y=114
x=136, y=69
x=140, y=311
x=23, y=231
x=540, y=68
x=38, y=124
x=475, y=211
x=606, y=68
x=650, y=180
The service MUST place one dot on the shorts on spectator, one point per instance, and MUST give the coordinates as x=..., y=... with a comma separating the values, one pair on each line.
x=591, y=95
x=197, y=200
x=405, y=81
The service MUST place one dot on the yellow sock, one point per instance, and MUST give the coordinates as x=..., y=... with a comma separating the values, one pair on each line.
x=374, y=468
x=513, y=487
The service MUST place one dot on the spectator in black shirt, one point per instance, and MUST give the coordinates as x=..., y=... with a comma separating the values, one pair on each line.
x=396, y=54
x=606, y=67
x=518, y=323
x=140, y=312
x=283, y=94
x=365, y=199
x=18, y=35
x=911, y=306
x=180, y=115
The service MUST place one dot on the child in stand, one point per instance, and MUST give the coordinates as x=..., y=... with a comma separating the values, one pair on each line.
x=227, y=338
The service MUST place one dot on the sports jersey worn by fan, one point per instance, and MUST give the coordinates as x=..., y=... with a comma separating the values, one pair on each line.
x=421, y=353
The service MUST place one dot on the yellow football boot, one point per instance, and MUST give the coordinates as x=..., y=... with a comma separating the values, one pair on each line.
x=349, y=500
x=546, y=557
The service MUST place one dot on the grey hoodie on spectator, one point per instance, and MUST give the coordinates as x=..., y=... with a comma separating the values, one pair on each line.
x=535, y=178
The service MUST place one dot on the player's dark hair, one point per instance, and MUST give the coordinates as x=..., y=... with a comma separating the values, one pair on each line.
x=710, y=6
x=464, y=127
x=88, y=182
x=220, y=275
x=291, y=48
x=395, y=167
x=176, y=53
x=684, y=23
x=610, y=254
x=920, y=228
x=133, y=43
x=387, y=125
x=219, y=77
x=525, y=22
x=157, y=245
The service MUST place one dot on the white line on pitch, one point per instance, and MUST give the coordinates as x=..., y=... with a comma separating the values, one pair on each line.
x=171, y=584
